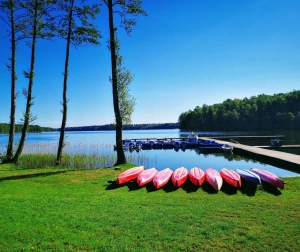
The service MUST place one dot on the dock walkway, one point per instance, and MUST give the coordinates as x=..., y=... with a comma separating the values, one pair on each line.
x=276, y=158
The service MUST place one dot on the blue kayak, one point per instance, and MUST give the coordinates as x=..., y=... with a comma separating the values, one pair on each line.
x=249, y=175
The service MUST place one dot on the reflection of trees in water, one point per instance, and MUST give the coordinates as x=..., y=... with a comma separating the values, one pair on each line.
x=228, y=156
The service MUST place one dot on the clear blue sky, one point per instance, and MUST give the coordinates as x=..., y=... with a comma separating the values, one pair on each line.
x=183, y=54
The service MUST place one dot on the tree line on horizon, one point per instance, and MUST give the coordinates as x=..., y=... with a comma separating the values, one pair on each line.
x=4, y=128
x=74, y=21
x=263, y=112
x=145, y=126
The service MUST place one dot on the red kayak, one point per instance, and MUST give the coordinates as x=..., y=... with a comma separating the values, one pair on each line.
x=214, y=178
x=146, y=176
x=231, y=177
x=197, y=176
x=162, y=177
x=269, y=177
x=179, y=176
x=129, y=174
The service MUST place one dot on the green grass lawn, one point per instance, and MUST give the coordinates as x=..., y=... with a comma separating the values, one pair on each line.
x=65, y=210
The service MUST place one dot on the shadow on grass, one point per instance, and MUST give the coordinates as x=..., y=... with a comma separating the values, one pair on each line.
x=150, y=187
x=248, y=188
x=113, y=185
x=228, y=189
x=169, y=187
x=270, y=189
x=206, y=187
x=133, y=186
x=189, y=187
x=35, y=175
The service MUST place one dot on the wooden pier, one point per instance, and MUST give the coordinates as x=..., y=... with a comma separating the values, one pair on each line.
x=292, y=146
x=248, y=137
x=279, y=159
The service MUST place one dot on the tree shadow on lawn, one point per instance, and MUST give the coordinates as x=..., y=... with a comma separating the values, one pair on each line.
x=35, y=175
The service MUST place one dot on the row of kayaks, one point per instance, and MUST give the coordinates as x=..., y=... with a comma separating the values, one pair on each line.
x=197, y=176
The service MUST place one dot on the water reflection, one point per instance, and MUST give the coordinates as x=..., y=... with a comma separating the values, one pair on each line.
x=227, y=156
x=98, y=142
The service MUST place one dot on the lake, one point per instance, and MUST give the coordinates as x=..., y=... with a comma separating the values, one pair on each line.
x=103, y=142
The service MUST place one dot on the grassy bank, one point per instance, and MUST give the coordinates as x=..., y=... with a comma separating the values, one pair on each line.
x=84, y=210
x=78, y=161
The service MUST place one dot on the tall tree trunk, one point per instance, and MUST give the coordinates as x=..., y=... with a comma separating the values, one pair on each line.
x=121, y=159
x=27, y=115
x=10, y=145
x=65, y=101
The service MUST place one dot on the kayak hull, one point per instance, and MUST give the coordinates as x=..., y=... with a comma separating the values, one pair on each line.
x=179, y=176
x=269, y=177
x=214, y=178
x=231, y=177
x=146, y=176
x=162, y=178
x=129, y=174
x=196, y=176
x=249, y=176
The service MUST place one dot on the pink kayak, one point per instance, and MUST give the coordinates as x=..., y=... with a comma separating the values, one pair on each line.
x=146, y=176
x=268, y=177
x=197, y=176
x=162, y=177
x=214, y=178
x=231, y=177
x=129, y=174
x=179, y=176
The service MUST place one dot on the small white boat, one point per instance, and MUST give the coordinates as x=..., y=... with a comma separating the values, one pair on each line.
x=192, y=138
x=227, y=148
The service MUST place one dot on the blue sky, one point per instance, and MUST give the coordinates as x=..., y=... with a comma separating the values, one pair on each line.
x=182, y=55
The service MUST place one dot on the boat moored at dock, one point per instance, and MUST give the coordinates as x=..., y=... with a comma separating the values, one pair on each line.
x=191, y=142
x=227, y=148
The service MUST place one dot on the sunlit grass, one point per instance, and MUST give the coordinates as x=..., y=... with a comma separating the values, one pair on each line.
x=57, y=209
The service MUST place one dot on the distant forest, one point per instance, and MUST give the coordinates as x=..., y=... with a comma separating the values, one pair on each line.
x=4, y=128
x=263, y=112
x=126, y=127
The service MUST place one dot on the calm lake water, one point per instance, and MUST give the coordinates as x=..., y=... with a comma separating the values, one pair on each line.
x=103, y=141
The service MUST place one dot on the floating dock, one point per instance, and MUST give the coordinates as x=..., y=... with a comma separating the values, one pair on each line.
x=279, y=159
